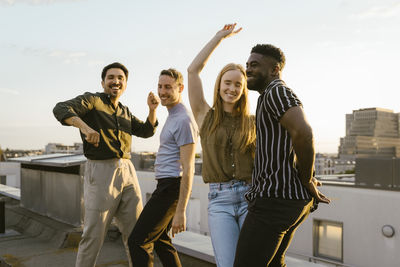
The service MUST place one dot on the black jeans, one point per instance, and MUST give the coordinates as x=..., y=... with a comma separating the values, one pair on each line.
x=268, y=230
x=151, y=230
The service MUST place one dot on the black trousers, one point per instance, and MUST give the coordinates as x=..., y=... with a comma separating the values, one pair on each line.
x=151, y=230
x=268, y=230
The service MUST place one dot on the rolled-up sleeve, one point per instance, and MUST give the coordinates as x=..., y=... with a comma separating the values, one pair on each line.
x=142, y=129
x=77, y=106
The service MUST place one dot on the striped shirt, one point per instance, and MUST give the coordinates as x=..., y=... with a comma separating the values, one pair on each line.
x=274, y=173
x=116, y=125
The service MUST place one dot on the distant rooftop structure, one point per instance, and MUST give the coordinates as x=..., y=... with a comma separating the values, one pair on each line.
x=326, y=164
x=371, y=132
x=144, y=161
x=2, y=155
x=15, y=153
x=76, y=148
x=376, y=109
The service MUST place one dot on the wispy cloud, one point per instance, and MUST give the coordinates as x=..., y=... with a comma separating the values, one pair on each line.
x=95, y=63
x=380, y=12
x=61, y=55
x=65, y=56
x=34, y=2
x=9, y=91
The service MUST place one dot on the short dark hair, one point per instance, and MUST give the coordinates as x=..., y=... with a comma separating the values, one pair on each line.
x=115, y=65
x=173, y=73
x=269, y=50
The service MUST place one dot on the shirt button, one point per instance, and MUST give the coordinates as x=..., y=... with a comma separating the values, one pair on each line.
x=233, y=165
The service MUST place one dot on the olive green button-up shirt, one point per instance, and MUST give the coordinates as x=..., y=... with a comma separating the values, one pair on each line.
x=116, y=125
x=223, y=160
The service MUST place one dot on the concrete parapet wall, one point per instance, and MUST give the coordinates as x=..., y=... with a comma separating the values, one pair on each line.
x=363, y=213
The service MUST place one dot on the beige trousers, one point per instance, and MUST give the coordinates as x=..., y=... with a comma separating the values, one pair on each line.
x=111, y=189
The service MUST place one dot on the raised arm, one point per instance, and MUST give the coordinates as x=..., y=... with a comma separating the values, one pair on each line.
x=295, y=122
x=196, y=95
x=187, y=153
x=152, y=101
x=146, y=129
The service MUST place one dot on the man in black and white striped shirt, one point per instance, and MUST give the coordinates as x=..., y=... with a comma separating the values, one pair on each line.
x=283, y=189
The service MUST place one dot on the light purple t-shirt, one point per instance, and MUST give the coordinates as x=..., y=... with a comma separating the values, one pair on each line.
x=179, y=129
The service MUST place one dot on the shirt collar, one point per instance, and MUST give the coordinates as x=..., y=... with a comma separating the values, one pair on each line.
x=273, y=84
x=175, y=109
x=107, y=97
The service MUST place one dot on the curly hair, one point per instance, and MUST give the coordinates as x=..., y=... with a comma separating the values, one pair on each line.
x=269, y=50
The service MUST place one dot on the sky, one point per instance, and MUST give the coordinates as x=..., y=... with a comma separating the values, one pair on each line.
x=341, y=55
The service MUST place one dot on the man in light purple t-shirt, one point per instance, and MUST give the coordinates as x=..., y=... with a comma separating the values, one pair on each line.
x=174, y=169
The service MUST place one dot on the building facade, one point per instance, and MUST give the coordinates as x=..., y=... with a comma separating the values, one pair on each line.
x=371, y=132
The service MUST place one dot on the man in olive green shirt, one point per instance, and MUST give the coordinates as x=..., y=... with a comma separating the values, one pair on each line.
x=111, y=188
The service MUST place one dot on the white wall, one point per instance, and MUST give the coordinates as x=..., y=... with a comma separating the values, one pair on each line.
x=363, y=212
x=13, y=172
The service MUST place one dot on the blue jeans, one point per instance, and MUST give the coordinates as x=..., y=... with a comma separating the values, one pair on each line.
x=227, y=209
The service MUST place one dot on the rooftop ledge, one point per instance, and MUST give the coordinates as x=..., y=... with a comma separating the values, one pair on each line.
x=9, y=191
x=194, y=245
x=200, y=247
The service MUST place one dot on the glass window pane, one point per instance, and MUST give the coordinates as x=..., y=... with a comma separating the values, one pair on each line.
x=328, y=240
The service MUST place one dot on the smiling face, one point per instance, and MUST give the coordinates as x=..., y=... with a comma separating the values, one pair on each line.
x=231, y=87
x=260, y=70
x=114, y=83
x=169, y=91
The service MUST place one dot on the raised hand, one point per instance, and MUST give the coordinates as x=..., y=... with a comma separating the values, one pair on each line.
x=153, y=101
x=228, y=30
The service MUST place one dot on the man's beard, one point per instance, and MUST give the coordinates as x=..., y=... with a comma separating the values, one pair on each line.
x=256, y=84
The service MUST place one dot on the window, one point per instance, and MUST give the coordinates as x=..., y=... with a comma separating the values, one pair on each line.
x=3, y=179
x=328, y=239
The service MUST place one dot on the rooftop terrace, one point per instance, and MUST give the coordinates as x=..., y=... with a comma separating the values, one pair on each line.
x=33, y=240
